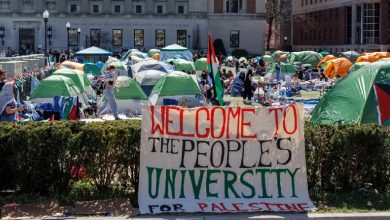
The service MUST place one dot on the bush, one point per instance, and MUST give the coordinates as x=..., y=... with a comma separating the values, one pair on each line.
x=36, y=158
x=240, y=53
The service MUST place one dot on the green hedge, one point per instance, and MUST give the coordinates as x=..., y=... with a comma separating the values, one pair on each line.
x=37, y=157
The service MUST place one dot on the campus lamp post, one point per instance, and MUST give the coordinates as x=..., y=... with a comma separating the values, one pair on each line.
x=285, y=42
x=78, y=37
x=2, y=32
x=68, y=28
x=45, y=16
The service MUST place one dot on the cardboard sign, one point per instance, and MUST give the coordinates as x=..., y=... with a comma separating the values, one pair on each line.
x=222, y=159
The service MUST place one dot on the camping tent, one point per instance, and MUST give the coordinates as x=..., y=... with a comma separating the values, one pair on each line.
x=361, y=97
x=357, y=66
x=268, y=59
x=184, y=65
x=148, y=79
x=305, y=57
x=92, y=69
x=151, y=65
x=90, y=53
x=325, y=59
x=54, y=85
x=175, y=51
x=130, y=98
x=80, y=80
x=152, y=52
x=372, y=57
x=280, y=56
x=350, y=55
x=339, y=66
x=201, y=64
x=177, y=88
x=133, y=53
x=285, y=68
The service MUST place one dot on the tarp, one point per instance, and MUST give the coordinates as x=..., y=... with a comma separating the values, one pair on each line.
x=55, y=85
x=72, y=65
x=93, y=51
x=175, y=51
x=352, y=100
x=350, y=55
x=325, y=59
x=175, y=84
x=280, y=56
x=201, y=64
x=339, y=66
x=184, y=65
x=305, y=57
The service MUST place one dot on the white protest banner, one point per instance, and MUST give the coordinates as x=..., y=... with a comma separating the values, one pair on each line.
x=222, y=159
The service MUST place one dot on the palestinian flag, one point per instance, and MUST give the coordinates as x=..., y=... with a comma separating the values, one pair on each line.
x=382, y=93
x=214, y=72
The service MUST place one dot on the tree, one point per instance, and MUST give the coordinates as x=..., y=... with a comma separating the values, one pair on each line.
x=276, y=10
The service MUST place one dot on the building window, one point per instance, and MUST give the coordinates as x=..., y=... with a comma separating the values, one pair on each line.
x=117, y=9
x=73, y=37
x=73, y=8
x=117, y=37
x=138, y=37
x=180, y=9
x=95, y=8
x=371, y=23
x=160, y=38
x=159, y=9
x=234, y=38
x=95, y=37
x=138, y=9
x=233, y=6
x=182, y=37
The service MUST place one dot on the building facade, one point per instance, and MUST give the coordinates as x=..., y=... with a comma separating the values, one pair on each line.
x=141, y=24
x=341, y=25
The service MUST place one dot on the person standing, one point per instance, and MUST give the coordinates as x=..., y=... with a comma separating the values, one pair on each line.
x=248, y=86
x=3, y=77
x=8, y=105
x=108, y=100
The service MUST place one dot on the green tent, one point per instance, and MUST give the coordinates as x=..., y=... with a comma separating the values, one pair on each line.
x=55, y=85
x=91, y=68
x=357, y=66
x=175, y=84
x=324, y=53
x=79, y=79
x=134, y=52
x=132, y=91
x=268, y=59
x=350, y=55
x=201, y=64
x=352, y=100
x=285, y=68
x=305, y=57
x=184, y=65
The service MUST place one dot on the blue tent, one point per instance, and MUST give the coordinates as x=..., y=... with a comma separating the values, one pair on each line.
x=94, y=51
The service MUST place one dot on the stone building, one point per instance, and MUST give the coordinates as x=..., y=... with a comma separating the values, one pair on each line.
x=142, y=24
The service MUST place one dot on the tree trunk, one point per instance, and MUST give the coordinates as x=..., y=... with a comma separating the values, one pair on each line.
x=270, y=23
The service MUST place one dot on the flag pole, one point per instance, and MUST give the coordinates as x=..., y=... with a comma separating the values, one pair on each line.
x=209, y=58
